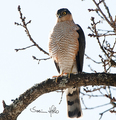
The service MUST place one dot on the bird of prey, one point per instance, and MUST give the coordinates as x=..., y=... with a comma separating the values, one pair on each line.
x=67, y=47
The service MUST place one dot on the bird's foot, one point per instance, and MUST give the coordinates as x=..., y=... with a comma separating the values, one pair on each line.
x=56, y=77
x=61, y=75
x=68, y=74
x=64, y=80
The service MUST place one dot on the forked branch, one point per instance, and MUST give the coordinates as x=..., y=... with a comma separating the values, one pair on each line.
x=24, y=25
x=12, y=111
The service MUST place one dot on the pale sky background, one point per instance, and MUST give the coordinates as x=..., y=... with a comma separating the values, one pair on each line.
x=19, y=72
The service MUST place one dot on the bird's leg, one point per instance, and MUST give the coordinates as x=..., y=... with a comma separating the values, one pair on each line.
x=70, y=71
x=58, y=76
x=68, y=74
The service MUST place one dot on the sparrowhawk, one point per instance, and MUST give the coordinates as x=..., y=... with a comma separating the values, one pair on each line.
x=67, y=47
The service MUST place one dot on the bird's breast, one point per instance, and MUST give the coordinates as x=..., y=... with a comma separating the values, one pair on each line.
x=63, y=44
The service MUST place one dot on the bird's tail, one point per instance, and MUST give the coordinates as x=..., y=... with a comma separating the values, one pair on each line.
x=73, y=102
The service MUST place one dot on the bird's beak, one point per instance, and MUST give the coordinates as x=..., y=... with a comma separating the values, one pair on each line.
x=59, y=16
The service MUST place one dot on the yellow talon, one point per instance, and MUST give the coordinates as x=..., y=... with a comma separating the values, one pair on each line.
x=69, y=75
x=61, y=76
x=56, y=79
x=57, y=76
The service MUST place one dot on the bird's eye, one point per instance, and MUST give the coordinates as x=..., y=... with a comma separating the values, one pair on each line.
x=64, y=13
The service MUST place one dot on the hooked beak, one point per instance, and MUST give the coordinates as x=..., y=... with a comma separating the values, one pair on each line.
x=59, y=16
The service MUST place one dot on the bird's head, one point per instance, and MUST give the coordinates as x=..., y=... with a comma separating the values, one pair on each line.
x=64, y=14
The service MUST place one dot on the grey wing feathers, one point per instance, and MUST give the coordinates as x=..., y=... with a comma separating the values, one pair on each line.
x=80, y=55
x=57, y=66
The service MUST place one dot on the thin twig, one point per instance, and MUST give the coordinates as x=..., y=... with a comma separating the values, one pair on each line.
x=96, y=33
x=87, y=57
x=27, y=31
x=92, y=69
x=95, y=89
x=41, y=58
x=90, y=95
x=61, y=97
x=24, y=48
x=102, y=13
x=98, y=106
x=105, y=112
x=106, y=7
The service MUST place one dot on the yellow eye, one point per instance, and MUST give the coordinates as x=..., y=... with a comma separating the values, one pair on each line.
x=64, y=13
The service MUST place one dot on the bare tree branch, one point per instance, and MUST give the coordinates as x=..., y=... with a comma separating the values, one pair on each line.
x=97, y=4
x=24, y=48
x=87, y=57
x=12, y=111
x=40, y=59
x=84, y=79
x=105, y=46
x=24, y=25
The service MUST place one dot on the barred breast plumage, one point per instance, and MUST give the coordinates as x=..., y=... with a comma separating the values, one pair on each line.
x=64, y=45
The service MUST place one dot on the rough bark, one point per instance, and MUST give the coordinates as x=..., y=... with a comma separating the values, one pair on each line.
x=12, y=111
